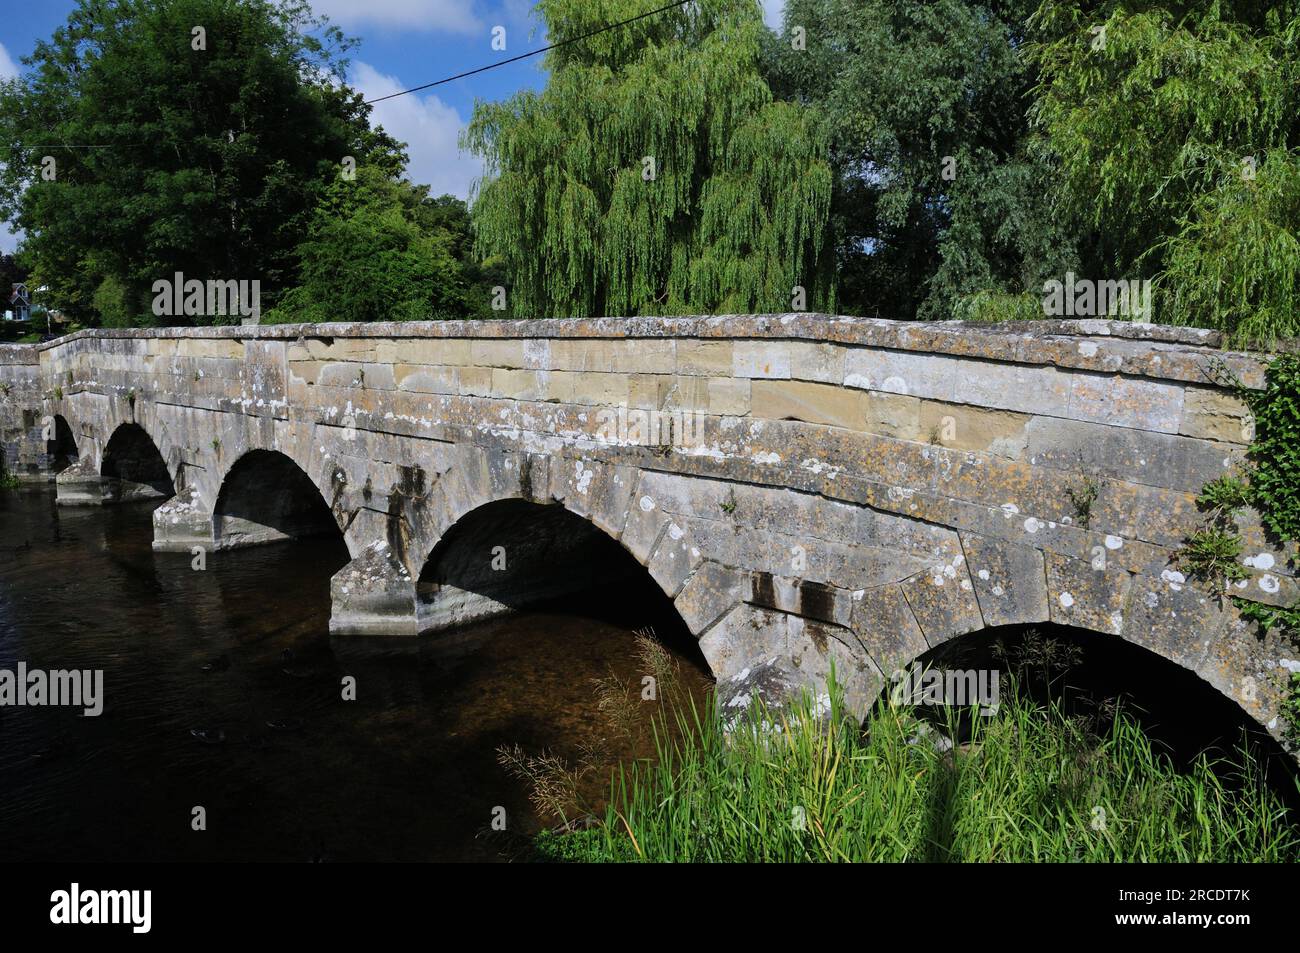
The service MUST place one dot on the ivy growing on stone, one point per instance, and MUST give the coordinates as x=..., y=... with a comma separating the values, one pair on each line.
x=1272, y=488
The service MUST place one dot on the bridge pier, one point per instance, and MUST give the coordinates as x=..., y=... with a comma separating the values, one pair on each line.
x=81, y=484
x=764, y=654
x=182, y=523
x=374, y=594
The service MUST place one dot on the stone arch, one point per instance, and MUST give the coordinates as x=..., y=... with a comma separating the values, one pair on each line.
x=514, y=553
x=379, y=592
x=1165, y=616
x=1189, y=711
x=61, y=444
x=783, y=635
x=265, y=496
x=132, y=466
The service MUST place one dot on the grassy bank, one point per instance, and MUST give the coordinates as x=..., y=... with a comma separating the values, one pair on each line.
x=1029, y=783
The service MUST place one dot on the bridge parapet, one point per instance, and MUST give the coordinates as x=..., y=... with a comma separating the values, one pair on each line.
x=22, y=449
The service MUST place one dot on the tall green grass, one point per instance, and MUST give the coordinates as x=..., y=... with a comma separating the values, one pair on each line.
x=1031, y=784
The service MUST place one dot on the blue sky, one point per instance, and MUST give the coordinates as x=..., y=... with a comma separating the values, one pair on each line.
x=404, y=43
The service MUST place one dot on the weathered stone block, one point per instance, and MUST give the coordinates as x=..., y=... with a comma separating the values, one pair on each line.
x=892, y=415
x=446, y=351
x=1041, y=390
x=1125, y=402
x=653, y=356
x=823, y=363
x=424, y=379
x=1138, y=456
x=520, y=384
x=1009, y=580
x=497, y=352
x=1172, y=619
x=704, y=358
x=206, y=347
x=761, y=359
x=674, y=559
x=943, y=601
x=973, y=428
x=648, y=391
x=1090, y=595
x=730, y=397
x=887, y=628
x=608, y=390
x=709, y=593
x=900, y=372
x=475, y=381
x=815, y=403
x=1216, y=415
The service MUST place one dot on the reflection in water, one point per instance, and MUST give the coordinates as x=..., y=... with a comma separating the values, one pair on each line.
x=240, y=653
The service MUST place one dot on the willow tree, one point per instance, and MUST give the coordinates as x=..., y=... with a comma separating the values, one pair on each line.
x=655, y=173
x=1176, y=124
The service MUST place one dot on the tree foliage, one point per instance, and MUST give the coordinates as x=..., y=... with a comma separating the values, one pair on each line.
x=1176, y=126
x=170, y=158
x=731, y=216
x=940, y=200
x=370, y=254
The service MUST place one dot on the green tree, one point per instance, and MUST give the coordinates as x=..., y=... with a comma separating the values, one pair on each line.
x=655, y=173
x=1176, y=127
x=450, y=215
x=372, y=253
x=943, y=206
x=11, y=273
x=171, y=149
x=111, y=304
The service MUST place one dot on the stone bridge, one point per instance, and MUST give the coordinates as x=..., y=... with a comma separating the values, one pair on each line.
x=808, y=490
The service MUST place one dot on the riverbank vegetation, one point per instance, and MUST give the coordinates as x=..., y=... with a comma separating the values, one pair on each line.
x=1030, y=782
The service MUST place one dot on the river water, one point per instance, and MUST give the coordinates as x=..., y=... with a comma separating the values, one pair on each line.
x=284, y=768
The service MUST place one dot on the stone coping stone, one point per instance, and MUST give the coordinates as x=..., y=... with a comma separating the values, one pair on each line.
x=20, y=354
x=1100, y=345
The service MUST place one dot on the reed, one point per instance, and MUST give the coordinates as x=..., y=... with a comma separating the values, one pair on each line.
x=1029, y=783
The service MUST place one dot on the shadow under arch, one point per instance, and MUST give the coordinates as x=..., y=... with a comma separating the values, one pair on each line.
x=61, y=447
x=266, y=497
x=133, y=468
x=515, y=554
x=1092, y=675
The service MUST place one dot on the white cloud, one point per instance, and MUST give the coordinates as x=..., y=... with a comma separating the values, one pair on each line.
x=772, y=12
x=429, y=127
x=455, y=16
x=8, y=68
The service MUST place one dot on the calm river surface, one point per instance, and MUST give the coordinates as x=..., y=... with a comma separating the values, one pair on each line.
x=241, y=651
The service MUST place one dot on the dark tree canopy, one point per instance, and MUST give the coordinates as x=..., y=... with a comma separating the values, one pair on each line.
x=164, y=157
x=939, y=197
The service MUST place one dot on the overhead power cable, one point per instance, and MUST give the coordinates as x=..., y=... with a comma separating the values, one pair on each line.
x=523, y=56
